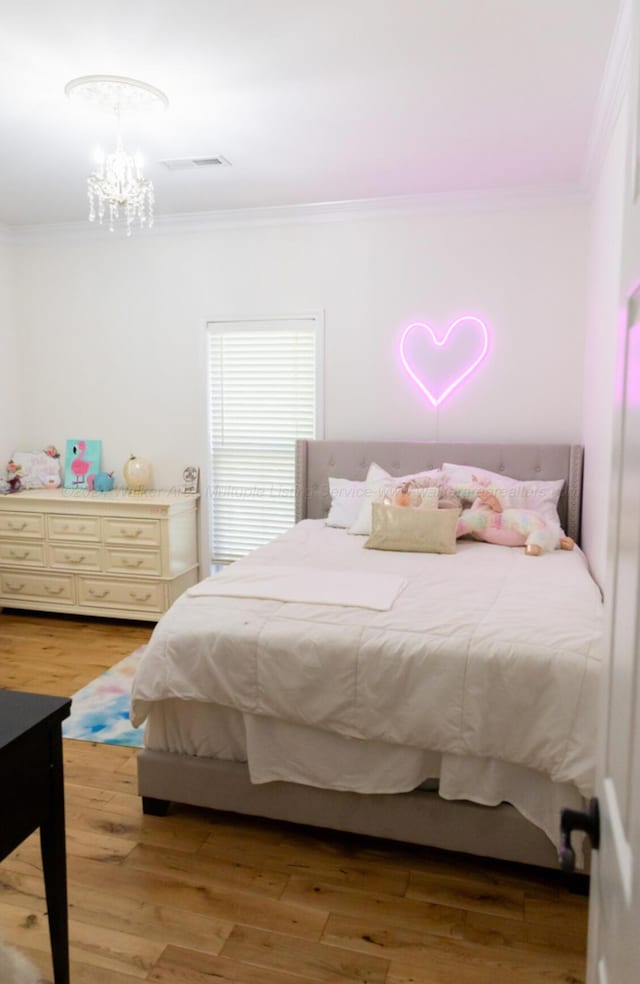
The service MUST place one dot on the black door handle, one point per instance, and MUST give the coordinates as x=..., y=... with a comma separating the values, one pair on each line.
x=570, y=820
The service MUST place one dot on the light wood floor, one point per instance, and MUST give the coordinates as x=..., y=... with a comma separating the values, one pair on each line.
x=199, y=897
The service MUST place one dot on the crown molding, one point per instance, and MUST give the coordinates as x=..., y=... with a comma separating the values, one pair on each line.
x=610, y=95
x=318, y=212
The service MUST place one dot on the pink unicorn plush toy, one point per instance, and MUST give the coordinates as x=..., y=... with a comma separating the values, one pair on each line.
x=487, y=520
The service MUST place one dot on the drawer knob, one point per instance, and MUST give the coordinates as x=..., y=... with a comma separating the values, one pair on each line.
x=98, y=594
x=16, y=526
x=138, y=597
x=130, y=533
x=19, y=556
x=53, y=591
x=126, y=562
x=15, y=587
x=74, y=560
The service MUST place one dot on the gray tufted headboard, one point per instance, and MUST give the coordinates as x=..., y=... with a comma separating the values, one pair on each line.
x=316, y=461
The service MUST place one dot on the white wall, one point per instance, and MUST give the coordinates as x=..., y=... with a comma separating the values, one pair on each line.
x=112, y=331
x=11, y=391
x=605, y=239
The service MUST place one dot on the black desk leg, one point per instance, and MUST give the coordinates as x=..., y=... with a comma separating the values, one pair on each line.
x=54, y=864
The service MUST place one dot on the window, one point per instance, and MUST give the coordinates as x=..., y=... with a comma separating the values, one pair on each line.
x=264, y=392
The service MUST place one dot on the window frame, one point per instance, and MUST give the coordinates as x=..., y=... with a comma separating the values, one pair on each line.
x=316, y=317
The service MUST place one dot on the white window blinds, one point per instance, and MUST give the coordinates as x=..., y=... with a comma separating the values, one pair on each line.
x=263, y=394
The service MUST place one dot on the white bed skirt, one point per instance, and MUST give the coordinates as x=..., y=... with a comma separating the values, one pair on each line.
x=281, y=751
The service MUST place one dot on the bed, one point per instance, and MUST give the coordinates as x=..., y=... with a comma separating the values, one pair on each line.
x=464, y=724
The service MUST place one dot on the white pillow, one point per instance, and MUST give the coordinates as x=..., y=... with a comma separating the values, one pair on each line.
x=380, y=484
x=346, y=500
x=541, y=497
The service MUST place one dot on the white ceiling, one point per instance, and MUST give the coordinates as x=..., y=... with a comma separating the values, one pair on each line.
x=311, y=100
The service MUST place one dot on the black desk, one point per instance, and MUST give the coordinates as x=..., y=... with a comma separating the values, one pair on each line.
x=33, y=796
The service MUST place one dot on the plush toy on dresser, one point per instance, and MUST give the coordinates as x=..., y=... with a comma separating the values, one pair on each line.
x=102, y=482
x=8, y=485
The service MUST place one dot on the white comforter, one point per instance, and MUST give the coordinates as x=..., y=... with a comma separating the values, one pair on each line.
x=486, y=652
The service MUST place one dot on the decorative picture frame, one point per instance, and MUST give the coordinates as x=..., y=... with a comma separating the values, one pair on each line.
x=82, y=458
x=190, y=478
x=36, y=469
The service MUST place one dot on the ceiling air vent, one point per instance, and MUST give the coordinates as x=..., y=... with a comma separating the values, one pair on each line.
x=189, y=163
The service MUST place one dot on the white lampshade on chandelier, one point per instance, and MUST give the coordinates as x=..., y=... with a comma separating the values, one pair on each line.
x=118, y=188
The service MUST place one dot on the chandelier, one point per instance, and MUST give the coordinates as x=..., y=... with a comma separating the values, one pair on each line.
x=118, y=185
x=118, y=188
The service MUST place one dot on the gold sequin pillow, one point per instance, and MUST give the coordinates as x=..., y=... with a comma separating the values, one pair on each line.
x=412, y=530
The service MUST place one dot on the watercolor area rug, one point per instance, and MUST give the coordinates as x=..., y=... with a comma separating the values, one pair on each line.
x=100, y=711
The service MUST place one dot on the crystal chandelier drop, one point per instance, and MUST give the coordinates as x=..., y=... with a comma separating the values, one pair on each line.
x=117, y=188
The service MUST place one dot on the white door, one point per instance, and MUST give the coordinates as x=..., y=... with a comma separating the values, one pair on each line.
x=614, y=927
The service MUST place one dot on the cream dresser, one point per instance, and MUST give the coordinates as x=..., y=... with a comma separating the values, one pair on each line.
x=97, y=553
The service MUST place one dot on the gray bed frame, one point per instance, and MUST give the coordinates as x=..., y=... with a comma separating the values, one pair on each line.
x=421, y=816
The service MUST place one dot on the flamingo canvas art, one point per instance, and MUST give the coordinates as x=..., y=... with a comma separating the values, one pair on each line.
x=81, y=460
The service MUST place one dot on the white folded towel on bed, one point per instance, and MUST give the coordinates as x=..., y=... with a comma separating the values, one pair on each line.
x=306, y=585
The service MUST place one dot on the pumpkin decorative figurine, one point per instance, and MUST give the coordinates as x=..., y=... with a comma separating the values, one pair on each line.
x=137, y=473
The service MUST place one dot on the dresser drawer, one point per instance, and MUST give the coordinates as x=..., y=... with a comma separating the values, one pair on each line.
x=74, y=557
x=54, y=587
x=141, y=532
x=120, y=560
x=145, y=595
x=21, y=524
x=21, y=553
x=74, y=528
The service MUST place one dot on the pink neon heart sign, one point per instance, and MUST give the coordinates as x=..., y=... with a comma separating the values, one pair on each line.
x=466, y=360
